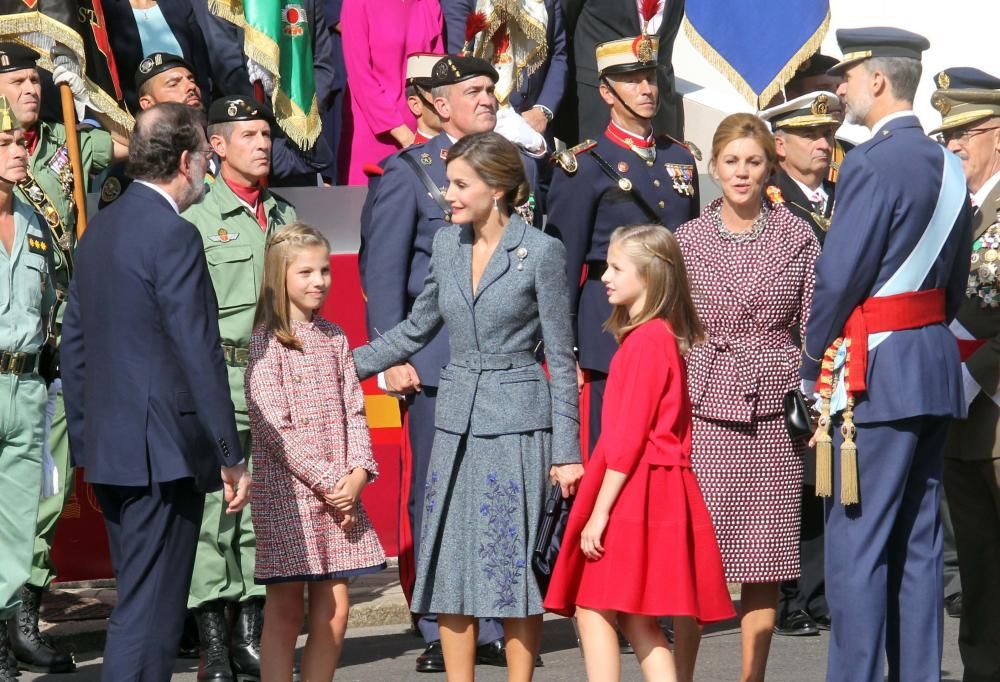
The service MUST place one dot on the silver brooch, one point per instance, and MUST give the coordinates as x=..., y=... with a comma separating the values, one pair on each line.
x=521, y=254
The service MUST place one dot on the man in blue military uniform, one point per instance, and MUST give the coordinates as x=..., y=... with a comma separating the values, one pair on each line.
x=406, y=212
x=628, y=176
x=969, y=102
x=892, y=274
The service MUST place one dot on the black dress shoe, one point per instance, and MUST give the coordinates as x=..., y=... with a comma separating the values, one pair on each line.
x=492, y=653
x=953, y=605
x=822, y=622
x=796, y=624
x=432, y=660
x=624, y=646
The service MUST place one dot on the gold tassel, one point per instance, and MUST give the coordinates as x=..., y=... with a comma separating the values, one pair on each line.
x=849, y=458
x=824, y=452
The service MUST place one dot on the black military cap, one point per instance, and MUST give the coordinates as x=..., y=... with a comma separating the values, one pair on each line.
x=14, y=57
x=238, y=108
x=964, y=96
x=157, y=63
x=859, y=44
x=452, y=69
x=817, y=65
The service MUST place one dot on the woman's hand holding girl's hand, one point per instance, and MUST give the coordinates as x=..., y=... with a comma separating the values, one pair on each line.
x=590, y=537
x=567, y=476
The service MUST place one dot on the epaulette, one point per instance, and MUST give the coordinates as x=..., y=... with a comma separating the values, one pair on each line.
x=567, y=157
x=688, y=144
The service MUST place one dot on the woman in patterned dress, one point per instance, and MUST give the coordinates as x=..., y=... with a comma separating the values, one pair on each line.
x=751, y=268
x=502, y=431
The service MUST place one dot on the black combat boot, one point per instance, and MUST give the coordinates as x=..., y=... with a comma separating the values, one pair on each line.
x=8, y=666
x=213, y=634
x=33, y=651
x=245, y=643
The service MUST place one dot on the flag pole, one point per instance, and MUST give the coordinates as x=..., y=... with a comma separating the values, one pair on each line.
x=73, y=146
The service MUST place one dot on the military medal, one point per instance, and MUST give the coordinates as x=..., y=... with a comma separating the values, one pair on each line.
x=985, y=262
x=682, y=178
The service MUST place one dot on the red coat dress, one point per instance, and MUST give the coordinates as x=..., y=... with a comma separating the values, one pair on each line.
x=308, y=429
x=660, y=553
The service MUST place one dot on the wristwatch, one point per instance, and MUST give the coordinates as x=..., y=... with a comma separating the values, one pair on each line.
x=545, y=111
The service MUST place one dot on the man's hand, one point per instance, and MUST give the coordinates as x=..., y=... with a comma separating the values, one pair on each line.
x=402, y=379
x=567, y=476
x=579, y=379
x=67, y=70
x=536, y=119
x=236, y=487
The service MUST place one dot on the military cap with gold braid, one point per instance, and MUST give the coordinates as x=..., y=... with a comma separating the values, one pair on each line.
x=859, y=44
x=8, y=121
x=965, y=95
x=808, y=111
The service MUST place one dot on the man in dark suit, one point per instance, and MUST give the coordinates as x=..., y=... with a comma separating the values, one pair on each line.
x=147, y=399
x=598, y=21
x=804, y=130
x=892, y=274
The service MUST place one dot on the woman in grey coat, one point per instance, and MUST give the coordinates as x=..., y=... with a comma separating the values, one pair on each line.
x=502, y=431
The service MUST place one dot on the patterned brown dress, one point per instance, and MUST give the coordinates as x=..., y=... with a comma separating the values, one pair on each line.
x=750, y=293
x=308, y=428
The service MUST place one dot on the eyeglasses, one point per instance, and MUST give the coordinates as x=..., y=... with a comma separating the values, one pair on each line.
x=962, y=136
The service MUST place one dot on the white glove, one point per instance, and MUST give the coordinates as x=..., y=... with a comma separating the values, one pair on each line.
x=511, y=125
x=67, y=70
x=50, y=473
x=259, y=73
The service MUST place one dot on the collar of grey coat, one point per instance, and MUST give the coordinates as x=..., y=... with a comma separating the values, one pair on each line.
x=499, y=262
x=987, y=214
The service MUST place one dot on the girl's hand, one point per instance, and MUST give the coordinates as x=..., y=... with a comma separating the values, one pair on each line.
x=590, y=537
x=567, y=476
x=348, y=521
x=347, y=490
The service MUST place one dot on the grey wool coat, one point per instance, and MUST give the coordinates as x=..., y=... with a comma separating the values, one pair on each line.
x=499, y=424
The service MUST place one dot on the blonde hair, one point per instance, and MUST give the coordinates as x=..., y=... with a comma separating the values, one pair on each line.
x=272, y=305
x=739, y=126
x=654, y=251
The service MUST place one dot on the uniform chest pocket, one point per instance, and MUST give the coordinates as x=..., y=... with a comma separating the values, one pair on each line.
x=30, y=281
x=233, y=275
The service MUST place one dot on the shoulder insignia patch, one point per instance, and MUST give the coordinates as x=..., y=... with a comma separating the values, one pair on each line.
x=110, y=190
x=37, y=245
x=223, y=236
x=774, y=194
x=567, y=157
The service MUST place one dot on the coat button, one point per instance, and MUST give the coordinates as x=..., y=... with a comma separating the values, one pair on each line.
x=305, y=421
x=662, y=205
x=656, y=183
x=296, y=378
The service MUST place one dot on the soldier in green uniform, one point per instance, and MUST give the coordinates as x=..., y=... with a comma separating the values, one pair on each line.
x=48, y=188
x=235, y=219
x=969, y=102
x=26, y=298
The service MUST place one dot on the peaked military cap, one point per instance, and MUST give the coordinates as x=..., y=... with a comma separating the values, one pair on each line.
x=808, y=111
x=627, y=54
x=452, y=69
x=859, y=44
x=8, y=121
x=14, y=57
x=420, y=68
x=238, y=108
x=965, y=95
x=157, y=63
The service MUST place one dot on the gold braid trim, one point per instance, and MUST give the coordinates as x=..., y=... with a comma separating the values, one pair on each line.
x=507, y=11
x=302, y=128
x=808, y=49
x=849, y=457
x=824, y=441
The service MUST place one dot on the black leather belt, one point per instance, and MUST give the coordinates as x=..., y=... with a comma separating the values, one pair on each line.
x=12, y=362
x=596, y=269
x=235, y=356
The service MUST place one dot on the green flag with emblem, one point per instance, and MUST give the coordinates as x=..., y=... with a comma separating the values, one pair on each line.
x=278, y=36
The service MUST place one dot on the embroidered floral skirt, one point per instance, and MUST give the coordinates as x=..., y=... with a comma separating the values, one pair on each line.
x=482, y=504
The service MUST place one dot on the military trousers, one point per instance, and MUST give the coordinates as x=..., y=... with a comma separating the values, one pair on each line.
x=227, y=549
x=974, y=497
x=50, y=508
x=22, y=438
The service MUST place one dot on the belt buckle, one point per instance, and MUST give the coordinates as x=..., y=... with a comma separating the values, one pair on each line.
x=6, y=361
x=12, y=362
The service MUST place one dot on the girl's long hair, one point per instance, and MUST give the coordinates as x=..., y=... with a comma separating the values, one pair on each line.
x=272, y=305
x=654, y=251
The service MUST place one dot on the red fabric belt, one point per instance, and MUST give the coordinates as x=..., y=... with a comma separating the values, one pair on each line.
x=966, y=347
x=911, y=310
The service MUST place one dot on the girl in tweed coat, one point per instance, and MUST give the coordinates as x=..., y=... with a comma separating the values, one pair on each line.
x=312, y=457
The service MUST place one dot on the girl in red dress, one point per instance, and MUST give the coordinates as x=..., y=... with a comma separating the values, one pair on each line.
x=639, y=542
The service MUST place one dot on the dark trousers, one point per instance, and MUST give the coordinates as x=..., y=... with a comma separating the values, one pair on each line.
x=883, y=556
x=974, y=497
x=952, y=574
x=598, y=381
x=420, y=409
x=152, y=534
x=808, y=593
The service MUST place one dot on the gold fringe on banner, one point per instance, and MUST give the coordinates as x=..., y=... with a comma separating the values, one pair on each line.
x=302, y=128
x=761, y=100
x=38, y=32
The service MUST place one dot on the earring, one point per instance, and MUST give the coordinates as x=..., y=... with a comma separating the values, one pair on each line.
x=496, y=206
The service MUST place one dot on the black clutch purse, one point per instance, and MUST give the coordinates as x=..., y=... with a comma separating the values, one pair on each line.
x=555, y=515
x=798, y=420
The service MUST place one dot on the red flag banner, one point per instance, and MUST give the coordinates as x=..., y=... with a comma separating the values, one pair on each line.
x=79, y=26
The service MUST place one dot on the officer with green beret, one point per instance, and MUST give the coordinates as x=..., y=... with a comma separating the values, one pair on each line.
x=235, y=219
x=26, y=297
x=48, y=188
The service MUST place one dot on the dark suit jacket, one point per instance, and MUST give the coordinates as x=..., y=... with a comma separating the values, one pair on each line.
x=598, y=21
x=798, y=204
x=147, y=398
x=548, y=83
x=124, y=36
